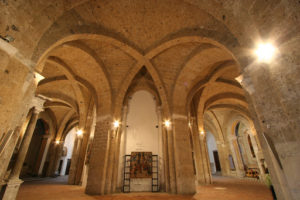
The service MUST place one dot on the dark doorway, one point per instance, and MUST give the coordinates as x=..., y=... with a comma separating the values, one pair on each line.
x=68, y=167
x=60, y=166
x=217, y=161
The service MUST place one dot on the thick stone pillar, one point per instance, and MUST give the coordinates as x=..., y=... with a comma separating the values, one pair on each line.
x=74, y=161
x=171, y=160
x=223, y=156
x=17, y=87
x=237, y=157
x=274, y=95
x=202, y=162
x=82, y=156
x=110, y=160
x=185, y=179
x=14, y=182
x=98, y=161
x=116, y=160
x=57, y=156
x=52, y=155
x=205, y=159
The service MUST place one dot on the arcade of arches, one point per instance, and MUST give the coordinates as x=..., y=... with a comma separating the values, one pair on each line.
x=177, y=78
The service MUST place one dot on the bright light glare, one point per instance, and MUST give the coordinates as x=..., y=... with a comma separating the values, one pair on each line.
x=265, y=52
x=38, y=77
x=57, y=142
x=202, y=132
x=167, y=123
x=79, y=132
x=116, y=124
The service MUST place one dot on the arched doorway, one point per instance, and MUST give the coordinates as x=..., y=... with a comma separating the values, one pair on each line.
x=36, y=150
x=215, y=165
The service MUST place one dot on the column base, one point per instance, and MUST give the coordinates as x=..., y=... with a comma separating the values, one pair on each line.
x=12, y=189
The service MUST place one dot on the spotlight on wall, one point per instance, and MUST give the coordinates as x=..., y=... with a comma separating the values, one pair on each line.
x=116, y=124
x=167, y=123
x=57, y=142
x=265, y=52
x=79, y=132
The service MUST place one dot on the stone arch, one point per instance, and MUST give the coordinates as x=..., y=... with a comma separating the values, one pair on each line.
x=157, y=82
x=70, y=42
x=177, y=89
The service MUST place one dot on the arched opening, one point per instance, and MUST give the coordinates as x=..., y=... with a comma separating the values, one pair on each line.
x=215, y=165
x=34, y=160
x=192, y=57
x=66, y=156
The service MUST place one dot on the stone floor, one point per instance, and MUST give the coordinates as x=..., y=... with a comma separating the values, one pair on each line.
x=223, y=188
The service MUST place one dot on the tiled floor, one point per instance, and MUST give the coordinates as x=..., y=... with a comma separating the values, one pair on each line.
x=224, y=188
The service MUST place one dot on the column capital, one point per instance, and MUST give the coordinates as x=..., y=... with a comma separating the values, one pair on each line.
x=38, y=104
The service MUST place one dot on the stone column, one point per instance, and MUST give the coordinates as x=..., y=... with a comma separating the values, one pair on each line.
x=38, y=163
x=81, y=157
x=98, y=161
x=166, y=159
x=57, y=156
x=110, y=161
x=52, y=154
x=161, y=169
x=74, y=160
x=239, y=166
x=223, y=156
x=205, y=159
x=185, y=178
x=202, y=162
x=14, y=182
x=122, y=152
x=172, y=170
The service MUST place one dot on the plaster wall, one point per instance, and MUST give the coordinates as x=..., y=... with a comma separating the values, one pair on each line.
x=142, y=134
x=211, y=145
x=69, y=143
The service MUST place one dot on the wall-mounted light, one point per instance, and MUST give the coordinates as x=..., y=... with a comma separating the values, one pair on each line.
x=265, y=52
x=57, y=142
x=116, y=124
x=202, y=132
x=79, y=132
x=167, y=123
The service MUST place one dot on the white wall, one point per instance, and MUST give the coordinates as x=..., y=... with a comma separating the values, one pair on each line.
x=69, y=143
x=212, y=146
x=141, y=134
